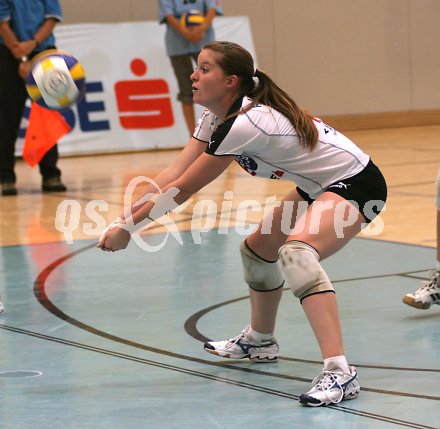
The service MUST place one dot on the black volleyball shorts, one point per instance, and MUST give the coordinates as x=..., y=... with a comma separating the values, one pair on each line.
x=367, y=190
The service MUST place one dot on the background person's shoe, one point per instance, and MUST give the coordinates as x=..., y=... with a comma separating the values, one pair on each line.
x=8, y=188
x=53, y=184
x=426, y=295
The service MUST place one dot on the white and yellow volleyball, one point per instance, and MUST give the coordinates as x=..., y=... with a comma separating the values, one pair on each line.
x=56, y=79
x=192, y=18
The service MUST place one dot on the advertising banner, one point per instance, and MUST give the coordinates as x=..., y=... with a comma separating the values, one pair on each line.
x=130, y=102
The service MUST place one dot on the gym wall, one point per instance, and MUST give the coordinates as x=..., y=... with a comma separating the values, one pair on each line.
x=360, y=63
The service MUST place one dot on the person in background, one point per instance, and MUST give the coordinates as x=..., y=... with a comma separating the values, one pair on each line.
x=250, y=120
x=183, y=44
x=26, y=28
x=429, y=292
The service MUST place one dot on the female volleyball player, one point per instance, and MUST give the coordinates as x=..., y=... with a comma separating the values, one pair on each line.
x=249, y=119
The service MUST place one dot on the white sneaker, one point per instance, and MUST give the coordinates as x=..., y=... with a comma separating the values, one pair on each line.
x=2, y=307
x=426, y=295
x=244, y=346
x=331, y=387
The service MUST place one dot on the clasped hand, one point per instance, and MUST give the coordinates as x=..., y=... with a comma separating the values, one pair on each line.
x=114, y=237
x=194, y=34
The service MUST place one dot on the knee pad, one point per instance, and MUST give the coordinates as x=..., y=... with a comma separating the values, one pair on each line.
x=259, y=274
x=302, y=270
x=437, y=193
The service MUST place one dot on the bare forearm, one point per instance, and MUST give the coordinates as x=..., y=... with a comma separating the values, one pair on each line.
x=185, y=158
x=156, y=185
x=203, y=171
x=158, y=206
x=45, y=30
x=20, y=48
x=210, y=15
x=195, y=170
x=8, y=35
x=174, y=23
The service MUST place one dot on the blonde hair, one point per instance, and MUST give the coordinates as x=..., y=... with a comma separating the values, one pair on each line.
x=235, y=60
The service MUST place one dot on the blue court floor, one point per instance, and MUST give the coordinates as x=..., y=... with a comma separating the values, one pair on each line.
x=92, y=340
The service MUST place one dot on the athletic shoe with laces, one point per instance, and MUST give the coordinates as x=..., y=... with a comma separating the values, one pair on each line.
x=332, y=386
x=244, y=346
x=426, y=295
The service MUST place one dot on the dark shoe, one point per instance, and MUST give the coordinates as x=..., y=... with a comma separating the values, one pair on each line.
x=53, y=184
x=8, y=188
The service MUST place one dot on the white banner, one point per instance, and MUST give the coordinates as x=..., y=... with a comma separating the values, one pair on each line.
x=130, y=103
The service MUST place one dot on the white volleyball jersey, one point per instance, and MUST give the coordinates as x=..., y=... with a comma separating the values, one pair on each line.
x=265, y=144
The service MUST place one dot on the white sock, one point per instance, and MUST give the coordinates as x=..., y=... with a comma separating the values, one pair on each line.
x=340, y=361
x=258, y=336
x=438, y=266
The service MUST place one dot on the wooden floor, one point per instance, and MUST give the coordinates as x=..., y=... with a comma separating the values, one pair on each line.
x=102, y=340
x=409, y=158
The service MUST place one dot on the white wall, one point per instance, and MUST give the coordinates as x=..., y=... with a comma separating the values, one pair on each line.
x=333, y=56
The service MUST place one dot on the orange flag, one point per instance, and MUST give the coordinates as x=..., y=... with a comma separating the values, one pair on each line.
x=45, y=128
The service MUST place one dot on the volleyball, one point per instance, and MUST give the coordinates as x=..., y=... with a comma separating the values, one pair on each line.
x=192, y=18
x=56, y=79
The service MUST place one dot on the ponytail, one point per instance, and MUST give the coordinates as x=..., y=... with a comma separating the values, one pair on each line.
x=235, y=60
x=267, y=92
